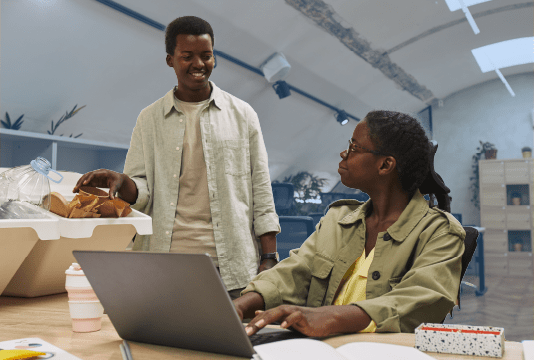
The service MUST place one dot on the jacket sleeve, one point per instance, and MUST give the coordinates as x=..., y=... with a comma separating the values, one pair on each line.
x=265, y=218
x=428, y=290
x=289, y=281
x=135, y=166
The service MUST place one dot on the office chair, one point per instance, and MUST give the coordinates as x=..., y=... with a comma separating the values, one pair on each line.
x=328, y=198
x=470, y=242
x=294, y=231
x=284, y=197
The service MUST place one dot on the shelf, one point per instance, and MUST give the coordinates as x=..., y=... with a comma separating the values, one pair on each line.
x=65, y=153
x=519, y=241
x=517, y=194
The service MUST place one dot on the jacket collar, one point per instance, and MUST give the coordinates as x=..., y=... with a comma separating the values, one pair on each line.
x=410, y=217
x=216, y=97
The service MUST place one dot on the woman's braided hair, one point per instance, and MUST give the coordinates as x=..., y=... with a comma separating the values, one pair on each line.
x=402, y=137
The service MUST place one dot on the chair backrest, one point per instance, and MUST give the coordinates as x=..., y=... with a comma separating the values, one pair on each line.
x=458, y=217
x=328, y=198
x=316, y=216
x=470, y=242
x=284, y=196
x=294, y=231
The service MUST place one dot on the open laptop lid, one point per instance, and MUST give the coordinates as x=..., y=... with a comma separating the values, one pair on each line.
x=166, y=299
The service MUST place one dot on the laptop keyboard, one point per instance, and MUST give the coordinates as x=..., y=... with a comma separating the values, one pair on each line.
x=264, y=338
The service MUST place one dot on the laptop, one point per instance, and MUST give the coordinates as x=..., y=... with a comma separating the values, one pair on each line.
x=170, y=299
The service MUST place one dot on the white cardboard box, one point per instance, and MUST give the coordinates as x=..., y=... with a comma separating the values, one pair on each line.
x=34, y=253
x=460, y=339
x=17, y=239
x=43, y=270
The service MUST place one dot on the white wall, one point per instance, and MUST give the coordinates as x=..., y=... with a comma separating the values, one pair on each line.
x=484, y=112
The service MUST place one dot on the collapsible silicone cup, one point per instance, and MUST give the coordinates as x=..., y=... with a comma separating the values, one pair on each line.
x=78, y=286
x=86, y=315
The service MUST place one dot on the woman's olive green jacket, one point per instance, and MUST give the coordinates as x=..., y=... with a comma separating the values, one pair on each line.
x=414, y=276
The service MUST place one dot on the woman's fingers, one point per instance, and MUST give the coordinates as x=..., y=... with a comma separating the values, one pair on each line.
x=264, y=318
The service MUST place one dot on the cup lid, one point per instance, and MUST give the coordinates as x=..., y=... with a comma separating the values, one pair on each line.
x=74, y=269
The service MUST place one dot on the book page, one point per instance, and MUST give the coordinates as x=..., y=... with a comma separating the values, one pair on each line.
x=380, y=351
x=297, y=349
x=37, y=344
x=528, y=349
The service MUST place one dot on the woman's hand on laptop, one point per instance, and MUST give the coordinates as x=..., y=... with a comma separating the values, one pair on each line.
x=309, y=321
x=316, y=322
x=247, y=304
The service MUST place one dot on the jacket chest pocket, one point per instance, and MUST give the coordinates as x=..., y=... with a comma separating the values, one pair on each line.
x=320, y=276
x=236, y=157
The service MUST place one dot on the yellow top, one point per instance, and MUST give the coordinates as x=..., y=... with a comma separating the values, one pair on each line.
x=354, y=283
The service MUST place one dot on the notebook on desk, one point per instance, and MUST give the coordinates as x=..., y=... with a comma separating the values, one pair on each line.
x=169, y=299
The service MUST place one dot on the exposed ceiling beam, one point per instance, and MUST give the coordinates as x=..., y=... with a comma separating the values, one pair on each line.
x=325, y=16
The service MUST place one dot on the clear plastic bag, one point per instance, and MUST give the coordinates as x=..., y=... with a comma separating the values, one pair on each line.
x=28, y=183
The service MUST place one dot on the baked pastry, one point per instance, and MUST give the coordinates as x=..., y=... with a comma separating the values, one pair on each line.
x=58, y=204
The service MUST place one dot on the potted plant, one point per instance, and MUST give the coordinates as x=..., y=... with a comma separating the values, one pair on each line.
x=527, y=152
x=13, y=126
x=307, y=188
x=489, y=149
x=490, y=152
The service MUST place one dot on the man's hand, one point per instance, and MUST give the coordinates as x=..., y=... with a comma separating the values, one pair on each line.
x=309, y=321
x=267, y=264
x=116, y=182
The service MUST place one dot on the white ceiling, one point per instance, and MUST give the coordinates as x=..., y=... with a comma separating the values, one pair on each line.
x=441, y=61
x=57, y=53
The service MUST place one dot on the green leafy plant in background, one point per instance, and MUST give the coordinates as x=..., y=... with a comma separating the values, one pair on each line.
x=64, y=118
x=13, y=126
x=308, y=187
x=475, y=179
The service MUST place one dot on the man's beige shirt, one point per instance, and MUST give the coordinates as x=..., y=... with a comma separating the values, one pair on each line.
x=192, y=232
x=239, y=186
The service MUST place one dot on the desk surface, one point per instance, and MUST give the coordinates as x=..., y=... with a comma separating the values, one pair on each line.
x=48, y=318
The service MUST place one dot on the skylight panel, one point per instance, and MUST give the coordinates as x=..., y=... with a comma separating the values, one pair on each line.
x=505, y=54
x=463, y=4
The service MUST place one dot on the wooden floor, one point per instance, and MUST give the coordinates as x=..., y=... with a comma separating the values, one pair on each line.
x=508, y=303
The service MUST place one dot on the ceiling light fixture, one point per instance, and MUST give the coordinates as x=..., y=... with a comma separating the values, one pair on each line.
x=463, y=4
x=282, y=89
x=342, y=117
x=504, y=54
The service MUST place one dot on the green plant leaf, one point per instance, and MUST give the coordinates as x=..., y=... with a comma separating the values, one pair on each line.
x=8, y=121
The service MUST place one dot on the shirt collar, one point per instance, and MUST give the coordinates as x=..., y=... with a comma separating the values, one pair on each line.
x=216, y=97
x=410, y=217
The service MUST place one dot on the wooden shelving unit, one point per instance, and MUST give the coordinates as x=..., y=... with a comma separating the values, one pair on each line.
x=506, y=211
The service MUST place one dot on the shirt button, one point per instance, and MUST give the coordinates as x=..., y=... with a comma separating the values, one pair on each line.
x=172, y=204
x=181, y=120
x=387, y=237
x=177, y=148
x=376, y=275
x=166, y=232
x=174, y=175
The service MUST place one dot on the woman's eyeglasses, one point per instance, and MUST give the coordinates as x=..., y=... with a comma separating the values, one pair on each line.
x=352, y=148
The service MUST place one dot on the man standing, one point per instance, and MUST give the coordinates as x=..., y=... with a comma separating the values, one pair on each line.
x=197, y=164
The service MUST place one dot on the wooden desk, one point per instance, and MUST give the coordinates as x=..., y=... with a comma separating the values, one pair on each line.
x=48, y=318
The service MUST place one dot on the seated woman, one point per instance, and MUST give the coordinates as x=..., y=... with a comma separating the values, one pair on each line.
x=385, y=265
